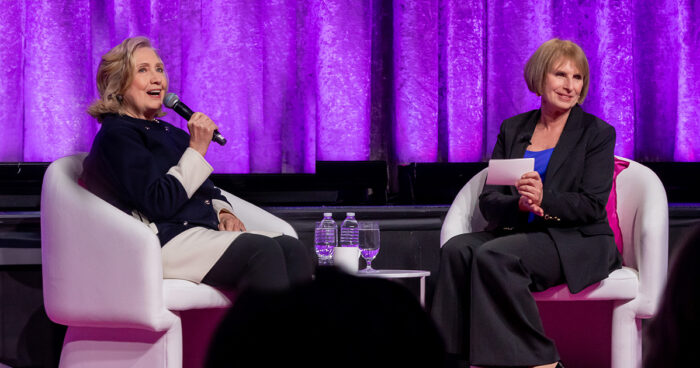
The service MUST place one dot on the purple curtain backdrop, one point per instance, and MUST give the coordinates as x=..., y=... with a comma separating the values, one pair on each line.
x=291, y=82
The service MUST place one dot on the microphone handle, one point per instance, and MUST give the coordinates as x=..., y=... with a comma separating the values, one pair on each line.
x=219, y=138
x=187, y=113
x=182, y=110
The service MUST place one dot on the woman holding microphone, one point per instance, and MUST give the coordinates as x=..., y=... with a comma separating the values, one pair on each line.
x=157, y=173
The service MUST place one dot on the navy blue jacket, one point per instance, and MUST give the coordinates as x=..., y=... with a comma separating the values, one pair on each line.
x=128, y=164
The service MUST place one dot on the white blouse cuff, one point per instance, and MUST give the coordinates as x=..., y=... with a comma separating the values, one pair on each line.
x=221, y=207
x=191, y=171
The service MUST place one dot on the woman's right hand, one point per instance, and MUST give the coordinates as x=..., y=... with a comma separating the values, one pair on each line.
x=201, y=129
x=530, y=189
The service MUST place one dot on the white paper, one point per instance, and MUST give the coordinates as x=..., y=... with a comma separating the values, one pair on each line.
x=507, y=172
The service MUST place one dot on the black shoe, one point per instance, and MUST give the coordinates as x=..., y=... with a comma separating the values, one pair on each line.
x=559, y=365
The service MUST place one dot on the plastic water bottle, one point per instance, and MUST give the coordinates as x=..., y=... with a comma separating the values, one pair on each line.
x=350, y=232
x=325, y=238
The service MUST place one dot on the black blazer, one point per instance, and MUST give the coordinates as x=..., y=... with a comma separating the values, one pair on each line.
x=128, y=167
x=575, y=193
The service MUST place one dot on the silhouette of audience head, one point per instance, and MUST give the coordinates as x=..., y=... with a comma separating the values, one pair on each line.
x=337, y=320
x=670, y=336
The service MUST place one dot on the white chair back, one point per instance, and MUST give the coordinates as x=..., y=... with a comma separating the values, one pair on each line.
x=464, y=215
x=75, y=227
x=642, y=210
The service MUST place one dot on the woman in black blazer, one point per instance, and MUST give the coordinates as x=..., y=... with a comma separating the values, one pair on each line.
x=549, y=228
x=158, y=173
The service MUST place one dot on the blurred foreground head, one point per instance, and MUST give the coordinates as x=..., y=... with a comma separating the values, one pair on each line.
x=670, y=336
x=336, y=321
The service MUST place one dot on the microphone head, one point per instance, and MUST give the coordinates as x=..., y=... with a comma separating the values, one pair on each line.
x=170, y=100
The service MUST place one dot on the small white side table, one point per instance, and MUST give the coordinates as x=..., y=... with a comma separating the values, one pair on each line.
x=400, y=274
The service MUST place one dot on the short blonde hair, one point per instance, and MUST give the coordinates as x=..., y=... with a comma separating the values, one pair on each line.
x=114, y=75
x=547, y=55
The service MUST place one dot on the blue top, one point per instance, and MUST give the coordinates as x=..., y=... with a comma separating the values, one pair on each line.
x=541, y=162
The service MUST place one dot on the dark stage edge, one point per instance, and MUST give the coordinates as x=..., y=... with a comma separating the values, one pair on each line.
x=20, y=238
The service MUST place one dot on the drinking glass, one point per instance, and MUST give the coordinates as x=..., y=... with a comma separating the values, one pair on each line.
x=325, y=240
x=369, y=243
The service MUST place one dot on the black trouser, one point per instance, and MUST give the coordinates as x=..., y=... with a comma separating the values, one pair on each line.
x=483, y=303
x=259, y=262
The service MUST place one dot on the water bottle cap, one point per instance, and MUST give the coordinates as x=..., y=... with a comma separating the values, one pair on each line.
x=327, y=214
x=350, y=214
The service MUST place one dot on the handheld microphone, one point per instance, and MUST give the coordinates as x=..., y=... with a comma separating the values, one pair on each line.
x=172, y=101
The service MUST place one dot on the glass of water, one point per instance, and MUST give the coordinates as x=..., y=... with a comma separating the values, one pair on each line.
x=369, y=243
x=325, y=241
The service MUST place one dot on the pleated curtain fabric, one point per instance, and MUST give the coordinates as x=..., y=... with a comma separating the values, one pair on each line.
x=292, y=82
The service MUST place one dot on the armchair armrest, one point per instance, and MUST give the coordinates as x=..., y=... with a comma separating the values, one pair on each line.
x=256, y=218
x=101, y=267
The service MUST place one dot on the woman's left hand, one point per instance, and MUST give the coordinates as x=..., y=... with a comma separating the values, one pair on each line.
x=229, y=222
x=525, y=204
x=530, y=186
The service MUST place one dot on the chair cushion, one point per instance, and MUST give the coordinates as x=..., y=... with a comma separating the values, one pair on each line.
x=611, y=207
x=620, y=284
x=180, y=295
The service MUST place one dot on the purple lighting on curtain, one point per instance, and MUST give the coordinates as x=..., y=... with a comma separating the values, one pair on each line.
x=58, y=85
x=277, y=21
x=656, y=90
x=616, y=71
x=11, y=86
x=221, y=72
x=344, y=59
x=686, y=143
x=461, y=56
x=416, y=80
x=290, y=82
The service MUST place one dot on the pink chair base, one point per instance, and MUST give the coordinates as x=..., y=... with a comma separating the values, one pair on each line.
x=121, y=347
x=198, y=328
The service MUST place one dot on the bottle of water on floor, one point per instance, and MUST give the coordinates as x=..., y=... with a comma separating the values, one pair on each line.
x=350, y=232
x=326, y=238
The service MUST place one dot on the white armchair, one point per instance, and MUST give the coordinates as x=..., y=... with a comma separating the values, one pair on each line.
x=103, y=278
x=636, y=288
